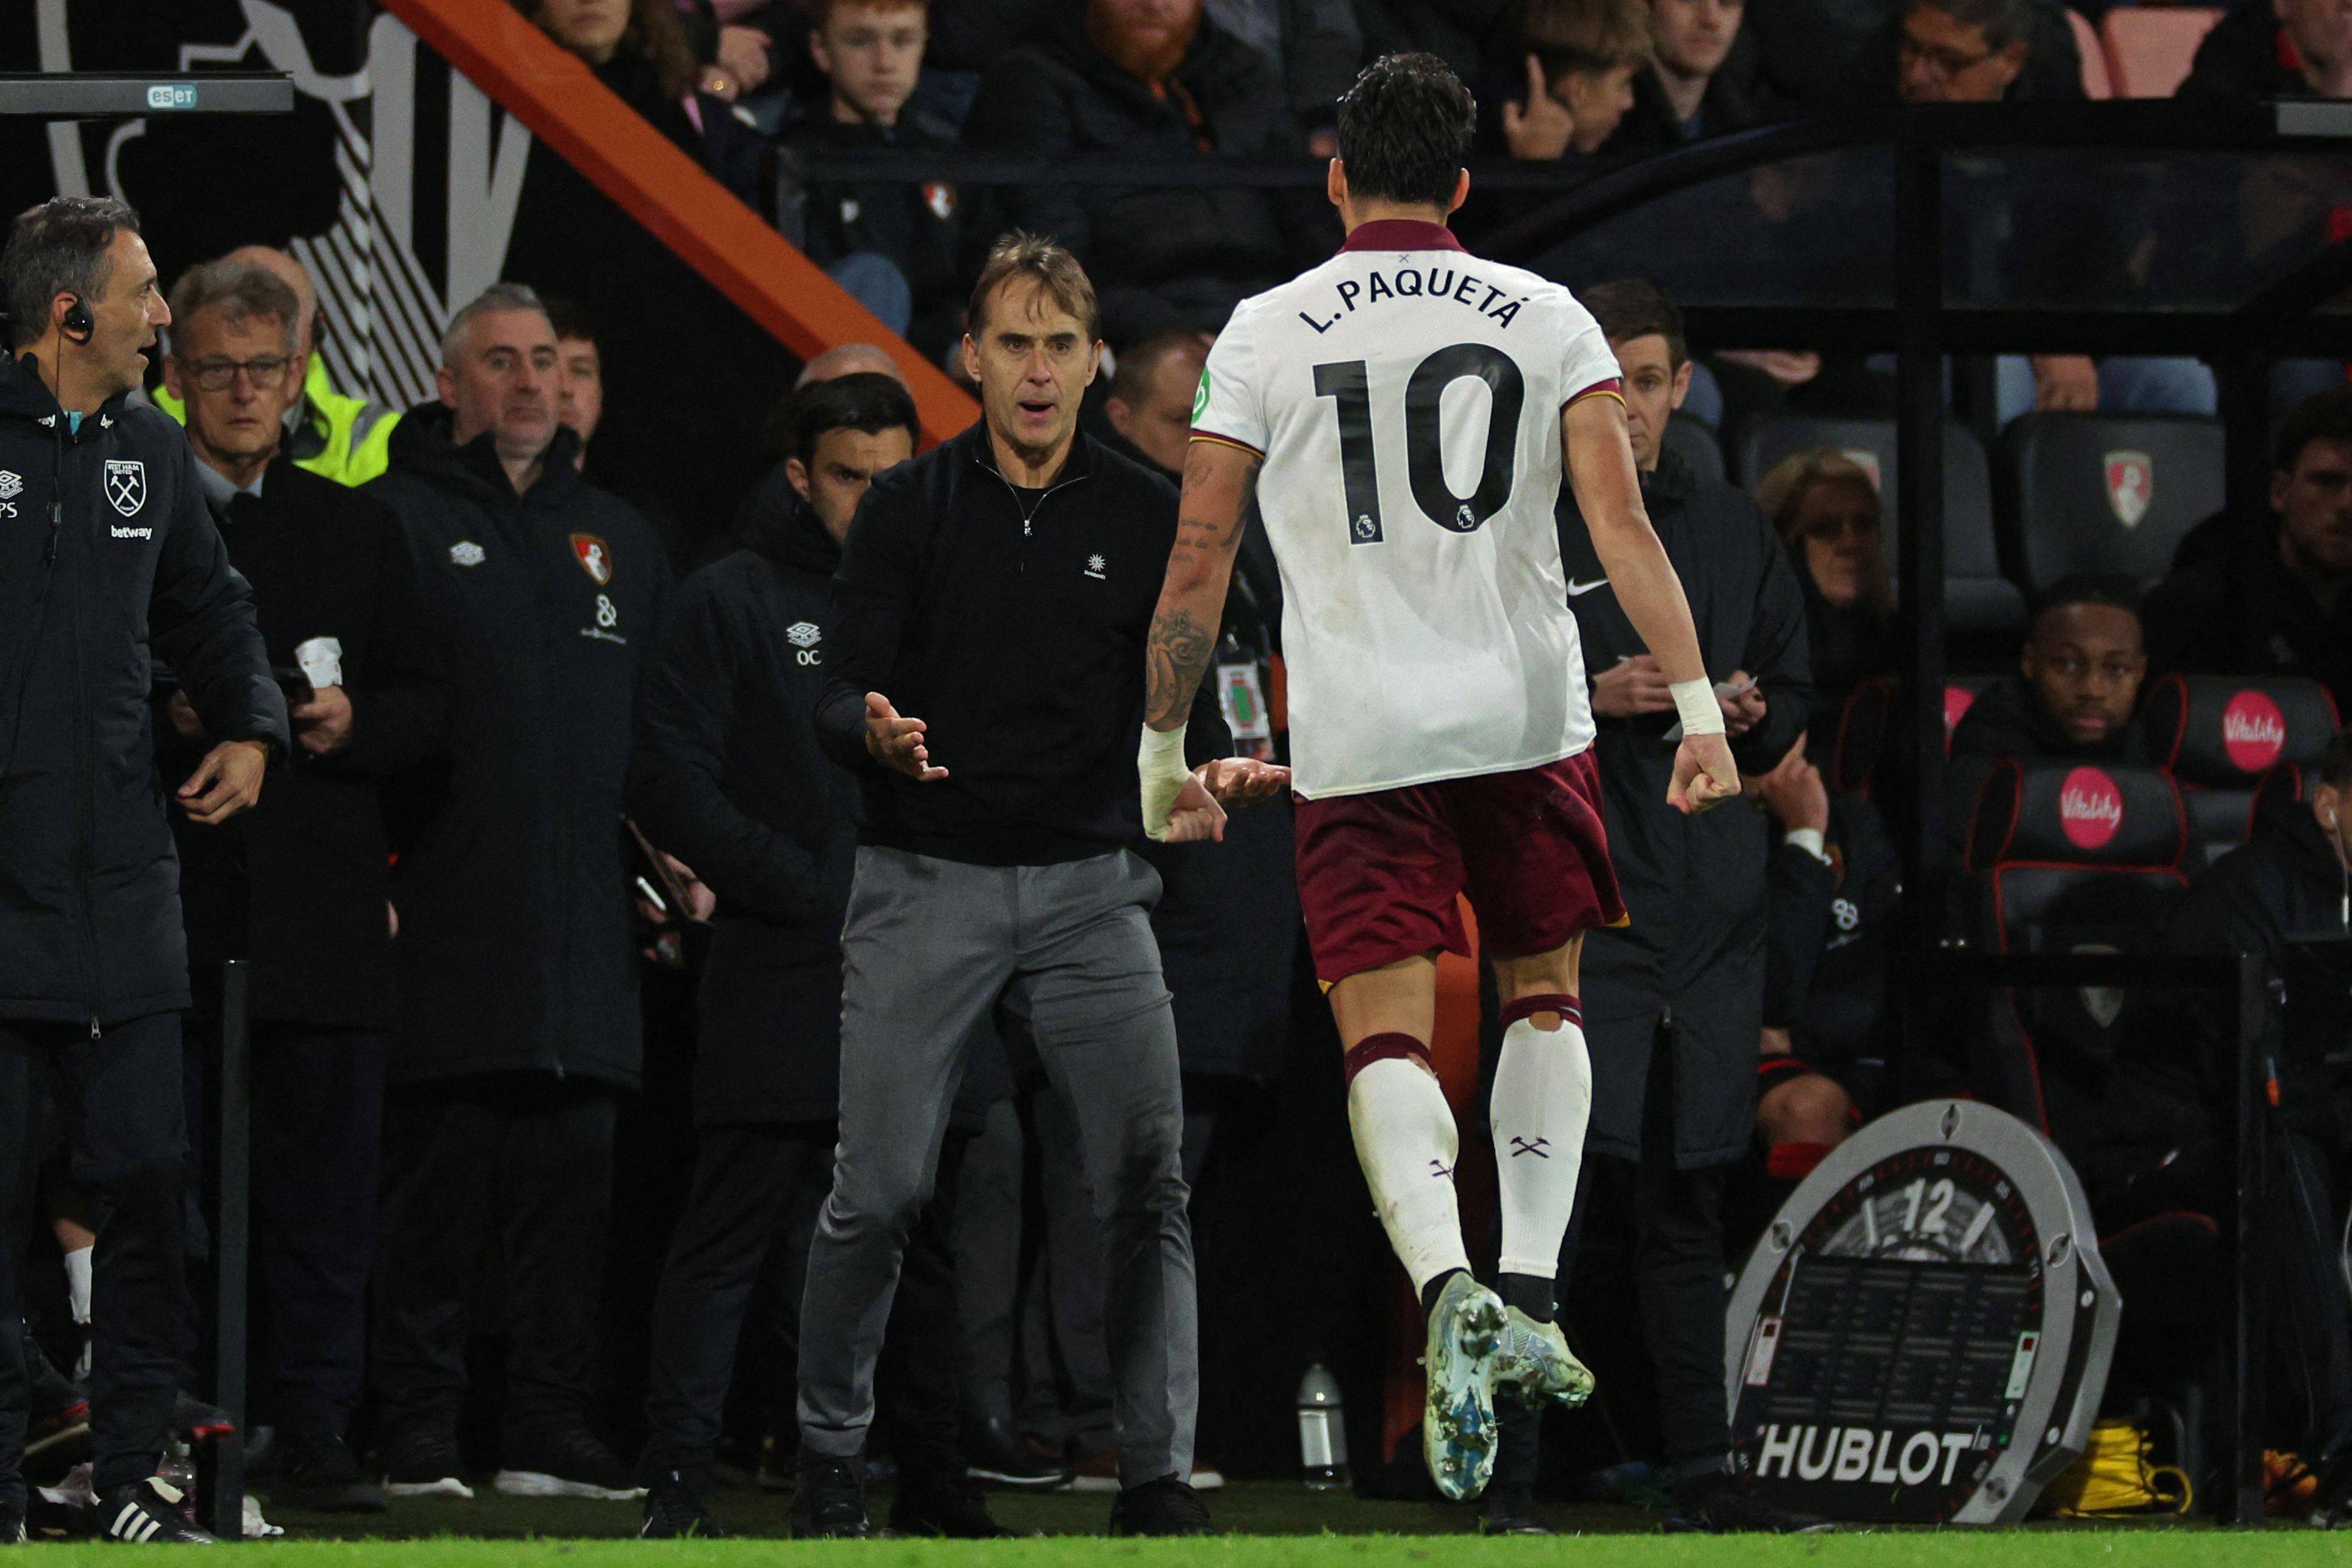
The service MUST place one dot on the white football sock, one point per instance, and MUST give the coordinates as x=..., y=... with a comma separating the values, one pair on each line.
x=1542, y=1099
x=77, y=1282
x=1407, y=1143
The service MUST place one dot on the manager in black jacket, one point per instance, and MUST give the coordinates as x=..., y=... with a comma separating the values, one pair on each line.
x=109, y=565
x=997, y=591
x=729, y=774
x=519, y=1020
x=300, y=886
x=1673, y=1001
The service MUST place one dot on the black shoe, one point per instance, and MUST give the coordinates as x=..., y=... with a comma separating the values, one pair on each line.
x=148, y=1514
x=562, y=1462
x=998, y=1457
x=951, y=1510
x=1508, y=1507
x=423, y=1461
x=675, y=1511
x=1719, y=1505
x=1164, y=1507
x=11, y=1527
x=194, y=1420
x=829, y=1499
x=315, y=1471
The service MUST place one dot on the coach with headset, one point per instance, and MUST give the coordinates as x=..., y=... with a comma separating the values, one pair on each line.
x=110, y=567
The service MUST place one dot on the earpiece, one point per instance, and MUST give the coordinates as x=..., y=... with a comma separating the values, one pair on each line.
x=78, y=324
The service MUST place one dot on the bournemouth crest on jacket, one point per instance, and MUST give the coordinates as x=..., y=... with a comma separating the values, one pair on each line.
x=2254, y=732
x=595, y=557
x=2131, y=486
x=2090, y=808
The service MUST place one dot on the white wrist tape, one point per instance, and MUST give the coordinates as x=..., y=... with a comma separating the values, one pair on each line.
x=1695, y=700
x=1160, y=764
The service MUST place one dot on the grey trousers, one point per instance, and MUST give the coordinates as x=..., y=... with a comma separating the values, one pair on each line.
x=930, y=947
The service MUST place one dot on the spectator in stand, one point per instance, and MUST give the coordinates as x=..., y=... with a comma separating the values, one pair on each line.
x=331, y=434
x=1691, y=88
x=520, y=1023
x=1465, y=34
x=639, y=49
x=1151, y=392
x=727, y=771
x=1143, y=79
x=2277, y=597
x=894, y=244
x=579, y=374
x=848, y=358
x=1579, y=57
x=298, y=886
x=2288, y=49
x=1831, y=519
x=1319, y=43
x=2010, y=51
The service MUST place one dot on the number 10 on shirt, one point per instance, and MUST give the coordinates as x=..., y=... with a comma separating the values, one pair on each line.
x=1348, y=383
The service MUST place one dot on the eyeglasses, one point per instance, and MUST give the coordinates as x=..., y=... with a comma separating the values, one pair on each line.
x=1941, y=63
x=219, y=374
x=1835, y=526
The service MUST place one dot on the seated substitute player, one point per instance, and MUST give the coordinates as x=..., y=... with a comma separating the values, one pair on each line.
x=1439, y=727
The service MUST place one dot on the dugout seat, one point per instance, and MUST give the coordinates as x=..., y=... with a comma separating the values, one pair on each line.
x=2107, y=493
x=2098, y=83
x=1977, y=597
x=1866, y=727
x=2067, y=859
x=2149, y=49
x=2220, y=736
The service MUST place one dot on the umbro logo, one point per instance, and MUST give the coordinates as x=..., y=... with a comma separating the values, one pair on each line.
x=10, y=485
x=803, y=635
x=466, y=553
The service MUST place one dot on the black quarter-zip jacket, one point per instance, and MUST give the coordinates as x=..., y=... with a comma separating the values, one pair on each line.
x=89, y=885
x=1016, y=633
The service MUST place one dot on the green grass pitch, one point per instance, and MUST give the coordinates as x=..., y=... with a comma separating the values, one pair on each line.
x=1271, y=1525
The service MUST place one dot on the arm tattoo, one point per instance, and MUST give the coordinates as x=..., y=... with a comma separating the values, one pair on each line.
x=1173, y=662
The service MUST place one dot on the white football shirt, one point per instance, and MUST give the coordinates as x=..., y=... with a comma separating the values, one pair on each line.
x=1406, y=398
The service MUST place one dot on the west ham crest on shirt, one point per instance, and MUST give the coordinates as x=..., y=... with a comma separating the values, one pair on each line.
x=595, y=555
x=126, y=485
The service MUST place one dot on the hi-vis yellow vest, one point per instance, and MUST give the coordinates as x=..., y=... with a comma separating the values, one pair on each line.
x=346, y=439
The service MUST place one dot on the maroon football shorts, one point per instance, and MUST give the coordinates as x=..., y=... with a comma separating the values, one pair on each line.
x=1380, y=874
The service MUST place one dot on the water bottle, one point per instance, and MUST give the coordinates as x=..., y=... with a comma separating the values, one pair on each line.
x=1322, y=1431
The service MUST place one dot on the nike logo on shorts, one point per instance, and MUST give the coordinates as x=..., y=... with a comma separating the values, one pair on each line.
x=1578, y=590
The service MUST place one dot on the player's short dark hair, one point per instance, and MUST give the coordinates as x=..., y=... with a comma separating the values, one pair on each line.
x=57, y=247
x=1405, y=130
x=1628, y=308
x=2089, y=588
x=2335, y=763
x=865, y=401
x=2324, y=417
x=2002, y=22
x=820, y=11
x=572, y=321
x=1130, y=380
x=1044, y=263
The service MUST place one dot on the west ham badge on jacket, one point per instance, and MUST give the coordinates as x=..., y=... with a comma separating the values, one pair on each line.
x=595, y=557
x=126, y=485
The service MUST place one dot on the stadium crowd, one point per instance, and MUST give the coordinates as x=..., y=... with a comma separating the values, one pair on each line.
x=557, y=822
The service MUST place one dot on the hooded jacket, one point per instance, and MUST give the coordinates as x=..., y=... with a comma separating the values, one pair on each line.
x=726, y=775
x=1690, y=966
x=109, y=566
x=2239, y=611
x=517, y=948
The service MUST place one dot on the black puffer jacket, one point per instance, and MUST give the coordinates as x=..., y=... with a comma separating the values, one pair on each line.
x=1691, y=964
x=517, y=952
x=1192, y=249
x=726, y=775
x=130, y=574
